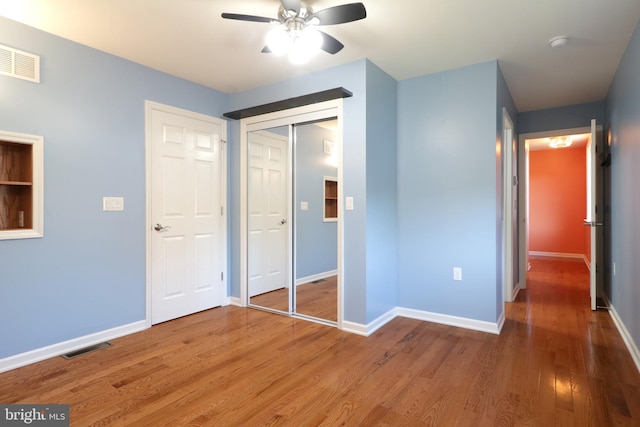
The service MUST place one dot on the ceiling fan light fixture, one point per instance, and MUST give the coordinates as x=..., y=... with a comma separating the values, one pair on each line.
x=278, y=40
x=305, y=43
x=296, y=33
x=310, y=39
x=301, y=44
x=298, y=56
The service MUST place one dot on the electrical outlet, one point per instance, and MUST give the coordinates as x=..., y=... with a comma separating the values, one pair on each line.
x=457, y=273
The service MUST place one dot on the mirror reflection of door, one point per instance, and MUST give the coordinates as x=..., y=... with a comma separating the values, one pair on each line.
x=268, y=236
x=316, y=226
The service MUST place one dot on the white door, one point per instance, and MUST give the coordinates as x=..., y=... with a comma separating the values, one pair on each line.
x=593, y=221
x=187, y=237
x=267, y=213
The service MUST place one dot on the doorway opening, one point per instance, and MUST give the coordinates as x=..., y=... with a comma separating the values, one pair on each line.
x=558, y=200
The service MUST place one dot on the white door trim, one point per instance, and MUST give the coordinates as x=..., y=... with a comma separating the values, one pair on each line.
x=297, y=115
x=507, y=207
x=523, y=173
x=149, y=107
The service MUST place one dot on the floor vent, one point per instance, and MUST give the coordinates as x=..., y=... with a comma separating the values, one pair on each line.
x=19, y=64
x=87, y=350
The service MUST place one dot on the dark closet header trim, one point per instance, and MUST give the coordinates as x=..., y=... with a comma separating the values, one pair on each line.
x=298, y=101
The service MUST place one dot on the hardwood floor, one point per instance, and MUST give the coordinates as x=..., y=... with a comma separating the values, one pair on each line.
x=555, y=363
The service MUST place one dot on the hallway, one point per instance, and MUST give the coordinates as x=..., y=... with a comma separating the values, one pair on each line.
x=586, y=374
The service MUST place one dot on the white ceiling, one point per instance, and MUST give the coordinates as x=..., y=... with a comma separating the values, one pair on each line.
x=406, y=38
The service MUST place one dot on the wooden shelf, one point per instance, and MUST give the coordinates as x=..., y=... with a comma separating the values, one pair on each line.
x=15, y=183
x=330, y=199
x=20, y=186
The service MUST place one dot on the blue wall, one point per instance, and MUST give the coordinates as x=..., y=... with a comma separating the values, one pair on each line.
x=623, y=119
x=316, y=240
x=568, y=117
x=447, y=193
x=351, y=76
x=88, y=272
x=369, y=129
x=382, y=186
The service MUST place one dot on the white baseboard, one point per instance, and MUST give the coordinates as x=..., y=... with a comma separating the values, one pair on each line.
x=23, y=359
x=626, y=336
x=355, y=328
x=561, y=255
x=515, y=292
x=371, y=327
x=235, y=301
x=500, y=323
x=314, y=277
x=444, y=319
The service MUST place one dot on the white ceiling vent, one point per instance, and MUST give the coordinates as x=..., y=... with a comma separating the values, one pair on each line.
x=16, y=63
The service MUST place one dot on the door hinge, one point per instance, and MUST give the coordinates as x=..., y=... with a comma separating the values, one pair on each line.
x=221, y=210
x=221, y=275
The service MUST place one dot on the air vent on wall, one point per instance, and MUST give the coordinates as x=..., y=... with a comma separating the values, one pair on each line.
x=19, y=64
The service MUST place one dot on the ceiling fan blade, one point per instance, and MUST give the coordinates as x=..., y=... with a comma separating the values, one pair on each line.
x=341, y=14
x=251, y=18
x=291, y=5
x=330, y=44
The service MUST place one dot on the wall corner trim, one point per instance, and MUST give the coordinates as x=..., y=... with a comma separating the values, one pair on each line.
x=234, y=301
x=445, y=319
x=426, y=316
x=626, y=336
x=371, y=327
x=501, y=320
x=39, y=354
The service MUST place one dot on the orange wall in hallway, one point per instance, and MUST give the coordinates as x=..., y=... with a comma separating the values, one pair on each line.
x=557, y=201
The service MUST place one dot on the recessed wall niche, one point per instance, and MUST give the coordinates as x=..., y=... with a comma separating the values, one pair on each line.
x=21, y=182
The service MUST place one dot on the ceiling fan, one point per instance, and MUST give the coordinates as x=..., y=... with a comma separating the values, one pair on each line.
x=296, y=31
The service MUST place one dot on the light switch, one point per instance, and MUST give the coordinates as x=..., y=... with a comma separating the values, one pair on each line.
x=457, y=273
x=349, y=203
x=304, y=206
x=113, y=203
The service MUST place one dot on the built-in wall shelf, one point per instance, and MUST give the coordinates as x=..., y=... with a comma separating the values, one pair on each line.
x=21, y=178
x=15, y=182
x=330, y=198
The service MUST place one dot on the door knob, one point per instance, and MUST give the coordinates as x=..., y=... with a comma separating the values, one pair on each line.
x=160, y=227
x=283, y=222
